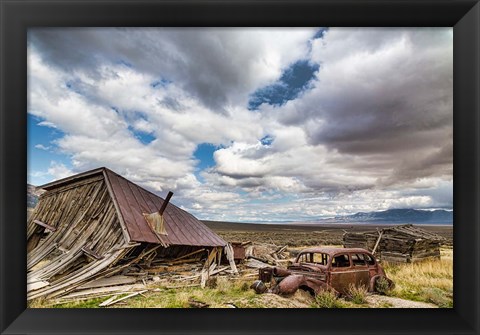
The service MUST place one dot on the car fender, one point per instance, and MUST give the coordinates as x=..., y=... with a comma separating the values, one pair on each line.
x=292, y=283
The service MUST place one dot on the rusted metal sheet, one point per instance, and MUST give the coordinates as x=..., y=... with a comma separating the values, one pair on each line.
x=238, y=250
x=131, y=210
x=182, y=227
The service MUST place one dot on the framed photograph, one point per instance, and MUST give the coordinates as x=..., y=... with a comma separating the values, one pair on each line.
x=322, y=129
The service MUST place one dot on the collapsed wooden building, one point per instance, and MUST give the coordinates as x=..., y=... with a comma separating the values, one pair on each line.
x=400, y=244
x=94, y=225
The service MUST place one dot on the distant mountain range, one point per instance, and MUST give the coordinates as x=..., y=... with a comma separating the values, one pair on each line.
x=407, y=215
x=389, y=216
x=32, y=195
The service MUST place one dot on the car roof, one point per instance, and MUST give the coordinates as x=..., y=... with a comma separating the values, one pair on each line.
x=333, y=251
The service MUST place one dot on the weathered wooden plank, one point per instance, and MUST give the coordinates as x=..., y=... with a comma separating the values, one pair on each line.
x=35, y=285
x=110, y=281
x=109, y=303
x=64, y=285
x=102, y=290
x=69, y=187
x=44, y=225
x=109, y=300
x=90, y=253
x=229, y=253
x=254, y=263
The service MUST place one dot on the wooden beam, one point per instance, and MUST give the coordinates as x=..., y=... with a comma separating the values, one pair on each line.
x=229, y=254
x=44, y=225
x=378, y=241
x=189, y=254
x=110, y=302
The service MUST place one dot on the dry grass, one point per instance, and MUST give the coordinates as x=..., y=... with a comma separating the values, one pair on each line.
x=328, y=299
x=225, y=293
x=427, y=281
x=357, y=295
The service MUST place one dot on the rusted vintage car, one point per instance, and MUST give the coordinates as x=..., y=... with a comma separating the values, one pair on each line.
x=317, y=269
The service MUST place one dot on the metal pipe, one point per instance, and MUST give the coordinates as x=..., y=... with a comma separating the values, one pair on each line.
x=165, y=202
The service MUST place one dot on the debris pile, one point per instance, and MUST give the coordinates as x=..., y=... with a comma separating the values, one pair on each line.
x=147, y=271
x=148, y=274
x=400, y=244
x=259, y=255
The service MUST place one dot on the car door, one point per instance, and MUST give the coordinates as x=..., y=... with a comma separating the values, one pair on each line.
x=341, y=273
x=372, y=265
x=360, y=266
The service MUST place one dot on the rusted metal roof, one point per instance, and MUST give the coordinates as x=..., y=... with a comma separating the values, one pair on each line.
x=132, y=201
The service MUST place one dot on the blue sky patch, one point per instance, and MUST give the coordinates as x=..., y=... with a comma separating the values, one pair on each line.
x=266, y=140
x=41, y=150
x=42, y=134
x=204, y=155
x=145, y=138
x=293, y=81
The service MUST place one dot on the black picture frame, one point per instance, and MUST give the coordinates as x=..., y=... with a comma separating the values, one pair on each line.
x=18, y=16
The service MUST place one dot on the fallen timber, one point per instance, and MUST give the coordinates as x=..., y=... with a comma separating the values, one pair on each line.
x=397, y=244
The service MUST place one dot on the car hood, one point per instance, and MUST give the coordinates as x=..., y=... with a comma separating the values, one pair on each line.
x=307, y=267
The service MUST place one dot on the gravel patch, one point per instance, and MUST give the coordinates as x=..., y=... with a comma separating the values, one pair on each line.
x=392, y=302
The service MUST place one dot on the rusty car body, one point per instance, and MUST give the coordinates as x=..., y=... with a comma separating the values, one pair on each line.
x=321, y=268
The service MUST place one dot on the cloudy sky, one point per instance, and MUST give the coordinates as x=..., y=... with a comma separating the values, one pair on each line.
x=256, y=124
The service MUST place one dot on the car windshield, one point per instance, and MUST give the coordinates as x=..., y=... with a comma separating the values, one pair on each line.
x=313, y=257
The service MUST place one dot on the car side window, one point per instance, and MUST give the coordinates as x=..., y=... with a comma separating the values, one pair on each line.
x=341, y=261
x=369, y=259
x=305, y=258
x=319, y=258
x=358, y=260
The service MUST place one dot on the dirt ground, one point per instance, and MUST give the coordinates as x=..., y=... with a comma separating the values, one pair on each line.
x=376, y=300
x=302, y=299
x=304, y=235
